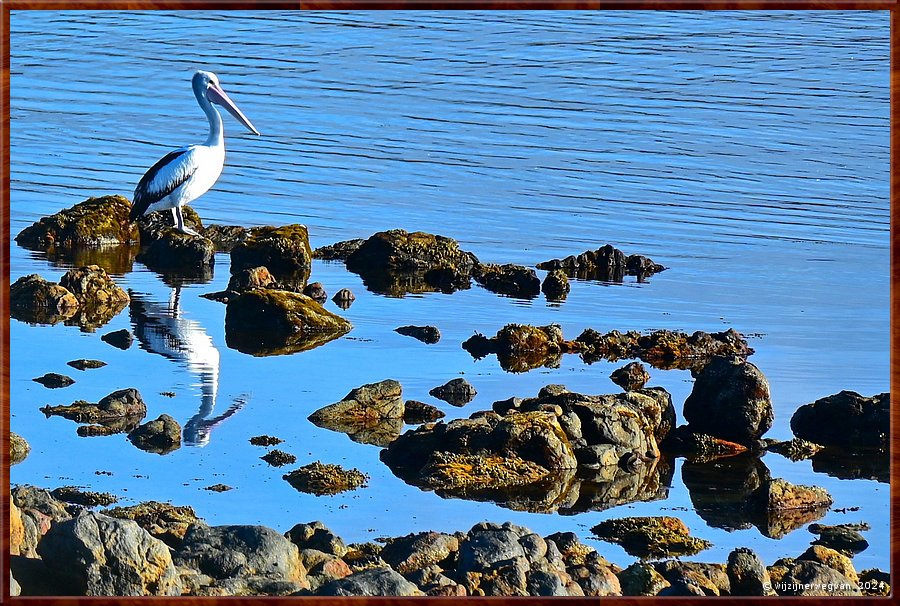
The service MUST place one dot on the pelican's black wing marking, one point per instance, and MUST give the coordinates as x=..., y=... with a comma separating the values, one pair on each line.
x=152, y=188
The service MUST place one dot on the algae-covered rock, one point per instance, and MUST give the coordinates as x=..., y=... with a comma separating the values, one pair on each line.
x=35, y=300
x=225, y=237
x=631, y=377
x=175, y=250
x=795, y=449
x=509, y=279
x=154, y=226
x=94, y=223
x=325, y=479
x=271, y=322
x=396, y=262
x=18, y=448
x=279, y=458
x=699, y=447
x=160, y=436
x=846, y=419
x=607, y=263
x=521, y=347
x=659, y=536
x=283, y=250
x=164, y=521
x=120, y=411
x=100, y=298
x=451, y=472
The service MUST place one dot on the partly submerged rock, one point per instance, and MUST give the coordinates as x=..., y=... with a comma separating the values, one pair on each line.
x=344, y=298
x=699, y=447
x=521, y=347
x=316, y=290
x=631, y=377
x=96, y=555
x=18, y=448
x=457, y=392
x=95, y=223
x=397, y=262
x=659, y=536
x=154, y=226
x=83, y=364
x=325, y=479
x=53, y=380
x=174, y=250
x=416, y=413
x=339, y=251
x=272, y=322
x=100, y=298
x=279, y=458
x=509, y=279
x=85, y=498
x=730, y=400
x=120, y=339
x=846, y=419
x=425, y=334
x=795, y=449
x=225, y=237
x=35, y=300
x=556, y=285
x=120, y=411
x=661, y=348
x=844, y=538
x=372, y=413
x=607, y=263
x=160, y=436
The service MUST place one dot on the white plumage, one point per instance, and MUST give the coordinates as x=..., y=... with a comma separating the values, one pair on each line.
x=185, y=174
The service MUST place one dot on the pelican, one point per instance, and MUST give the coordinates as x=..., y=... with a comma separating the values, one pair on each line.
x=185, y=174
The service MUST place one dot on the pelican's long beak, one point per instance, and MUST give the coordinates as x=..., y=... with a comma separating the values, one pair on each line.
x=217, y=95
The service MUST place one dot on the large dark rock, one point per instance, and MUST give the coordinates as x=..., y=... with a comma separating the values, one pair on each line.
x=283, y=250
x=35, y=300
x=371, y=582
x=747, y=573
x=96, y=222
x=53, y=380
x=416, y=413
x=223, y=552
x=339, y=251
x=161, y=436
x=120, y=339
x=512, y=280
x=371, y=413
x=425, y=334
x=556, y=285
x=844, y=538
x=730, y=400
x=397, y=262
x=272, y=322
x=845, y=419
x=96, y=555
x=175, y=250
x=486, y=544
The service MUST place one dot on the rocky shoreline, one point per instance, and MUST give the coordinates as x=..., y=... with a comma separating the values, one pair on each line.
x=557, y=451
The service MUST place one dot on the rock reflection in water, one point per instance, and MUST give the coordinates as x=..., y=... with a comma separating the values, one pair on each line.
x=162, y=329
x=375, y=431
x=567, y=491
x=118, y=260
x=838, y=463
x=722, y=493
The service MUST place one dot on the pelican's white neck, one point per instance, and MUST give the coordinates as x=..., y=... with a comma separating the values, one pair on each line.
x=216, y=137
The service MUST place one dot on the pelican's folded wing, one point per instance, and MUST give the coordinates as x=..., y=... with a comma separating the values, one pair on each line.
x=162, y=179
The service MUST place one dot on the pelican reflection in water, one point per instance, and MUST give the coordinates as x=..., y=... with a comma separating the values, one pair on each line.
x=162, y=329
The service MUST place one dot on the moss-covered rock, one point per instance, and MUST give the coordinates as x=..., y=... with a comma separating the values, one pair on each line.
x=283, y=250
x=396, y=262
x=659, y=536
x=153, y=226
x=325, y=479
x=449, y=471
x=100, y=298
x=509, y=279
x=521, y=347
x=226, y=237
x=175, y=250
x=18, y=448
x=36, y=300
x=279, y=458
x=94, y=223
x=271, y=322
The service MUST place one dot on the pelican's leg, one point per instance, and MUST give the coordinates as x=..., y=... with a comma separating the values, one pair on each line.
x=175, y=215
x=179, y=219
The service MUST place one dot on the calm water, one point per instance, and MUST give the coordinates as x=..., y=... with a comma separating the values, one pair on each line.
x=748, y=152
